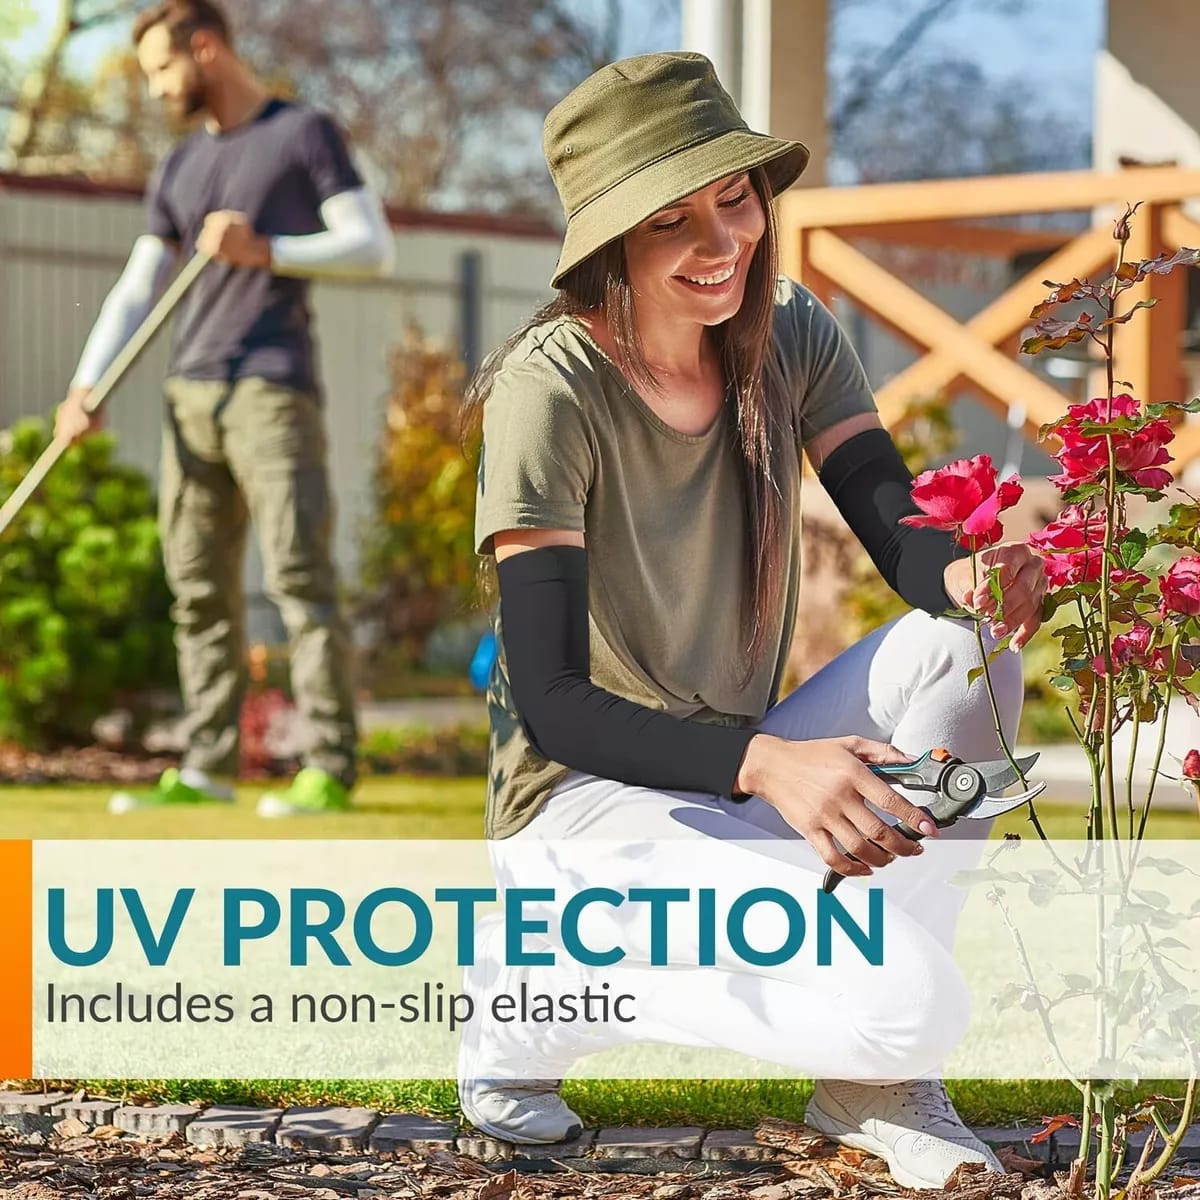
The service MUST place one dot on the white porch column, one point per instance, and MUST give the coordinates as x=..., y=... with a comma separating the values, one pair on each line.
x=770, y=55
x=713, y=28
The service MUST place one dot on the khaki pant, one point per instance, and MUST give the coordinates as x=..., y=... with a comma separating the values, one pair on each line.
x=234, y=452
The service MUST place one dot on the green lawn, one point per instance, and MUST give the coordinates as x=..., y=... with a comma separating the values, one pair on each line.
x=384, y=807
x=453, y=808
x=712, y=1103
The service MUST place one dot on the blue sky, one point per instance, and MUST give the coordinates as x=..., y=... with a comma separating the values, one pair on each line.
x=1051, y=54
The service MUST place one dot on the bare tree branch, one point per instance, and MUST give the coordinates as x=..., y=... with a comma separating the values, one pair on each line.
x=867, y=80
x=105, y=16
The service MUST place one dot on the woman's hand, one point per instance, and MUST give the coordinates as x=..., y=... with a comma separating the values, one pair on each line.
x=821, y=787
x=1022, y=584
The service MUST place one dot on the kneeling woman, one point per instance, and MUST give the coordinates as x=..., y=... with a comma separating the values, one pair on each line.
x=639, y=489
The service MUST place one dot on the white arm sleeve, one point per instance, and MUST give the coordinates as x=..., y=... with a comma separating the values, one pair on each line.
x=356, y=240
x=126, y=306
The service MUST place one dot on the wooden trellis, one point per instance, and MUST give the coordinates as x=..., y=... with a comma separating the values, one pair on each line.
x=817, y=228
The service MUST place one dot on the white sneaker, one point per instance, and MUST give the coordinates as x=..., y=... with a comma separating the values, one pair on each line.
x=495, y=1091
x=175, y=788
x=912, y=1126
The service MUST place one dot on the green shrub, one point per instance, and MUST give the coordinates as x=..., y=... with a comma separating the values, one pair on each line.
x=415, y=750
x=84, y=617
x=418, y=553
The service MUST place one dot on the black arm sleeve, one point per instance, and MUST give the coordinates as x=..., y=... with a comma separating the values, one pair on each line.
x=867, y=479
x=567, y=718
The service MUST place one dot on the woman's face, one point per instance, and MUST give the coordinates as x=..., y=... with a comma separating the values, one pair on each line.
x=690, y=261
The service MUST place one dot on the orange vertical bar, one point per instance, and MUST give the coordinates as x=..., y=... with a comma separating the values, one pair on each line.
x=16, y=960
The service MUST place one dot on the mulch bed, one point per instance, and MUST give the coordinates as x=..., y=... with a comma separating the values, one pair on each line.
x=79, y=764
x=104, y=1164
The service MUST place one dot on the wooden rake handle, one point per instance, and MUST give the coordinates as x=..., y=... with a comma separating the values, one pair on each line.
x=130, y=352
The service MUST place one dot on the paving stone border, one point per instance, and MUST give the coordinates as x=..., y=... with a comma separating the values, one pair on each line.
x=156, y=1119
x=407, y=1131
x=326, y=1128
x=233, y=1125
x=337, y=1129
x=89, y=1112
x=30, y=1112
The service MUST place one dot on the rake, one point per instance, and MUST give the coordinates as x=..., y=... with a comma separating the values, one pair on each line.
x=129, y=354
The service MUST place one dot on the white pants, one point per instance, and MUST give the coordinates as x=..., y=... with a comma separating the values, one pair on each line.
x=905, y=683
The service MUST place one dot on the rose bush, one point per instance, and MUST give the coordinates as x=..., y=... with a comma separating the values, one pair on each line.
x=1130, y=645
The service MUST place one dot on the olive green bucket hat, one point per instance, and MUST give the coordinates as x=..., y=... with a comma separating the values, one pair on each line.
x=642, y=134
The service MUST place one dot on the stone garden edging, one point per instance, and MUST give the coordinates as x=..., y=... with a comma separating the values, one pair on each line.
x=340, y=1129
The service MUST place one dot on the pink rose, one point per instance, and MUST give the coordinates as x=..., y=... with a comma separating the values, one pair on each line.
x=1070, y=546
x=1123, y=405
x=1161, y=664
x=1180, y=587
x=1191, y=765
x=1081, y=459
x=1075, y=528
x=1071, y=549
x=1083, y=566
x=1140, y=453
x=964, y=498
x=1128, y=649
x=1133, y=645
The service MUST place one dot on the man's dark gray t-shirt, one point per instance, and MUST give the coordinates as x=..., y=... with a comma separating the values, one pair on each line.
x=278, y=169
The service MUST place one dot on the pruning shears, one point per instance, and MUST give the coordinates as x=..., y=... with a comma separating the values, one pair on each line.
x=961, y=789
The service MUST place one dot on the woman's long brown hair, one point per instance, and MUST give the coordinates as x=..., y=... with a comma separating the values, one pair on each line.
x=753, y=374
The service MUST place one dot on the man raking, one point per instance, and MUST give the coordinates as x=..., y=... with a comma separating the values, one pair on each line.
x=267, y=189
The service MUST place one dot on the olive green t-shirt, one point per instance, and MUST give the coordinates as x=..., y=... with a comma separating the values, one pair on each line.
x=569, y=444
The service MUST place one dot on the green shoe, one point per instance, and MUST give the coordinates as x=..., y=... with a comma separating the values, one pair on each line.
x=174, y=787
x=312, y=792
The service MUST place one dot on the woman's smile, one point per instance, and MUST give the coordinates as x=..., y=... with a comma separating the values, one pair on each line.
x=716, y=283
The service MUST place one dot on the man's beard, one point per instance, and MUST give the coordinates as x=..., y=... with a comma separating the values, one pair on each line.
x=191, y=102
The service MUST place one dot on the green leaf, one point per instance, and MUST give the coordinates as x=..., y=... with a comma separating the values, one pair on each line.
x=1164, y=264
x=1052, y=333
x=1077, y=983
x=1134, y=914
x=1126, y=316
x=1064, y=683
x=1084, y=492
x=1133, y=547
x=1007, y=996
x=1031, y=999
x=1165, y=866
x=1117, y=936
x=1185, y=516
x=1160, y=409
x=1166, y=920
x=1176, y=998
x=1116, y=425
x=995, y=589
